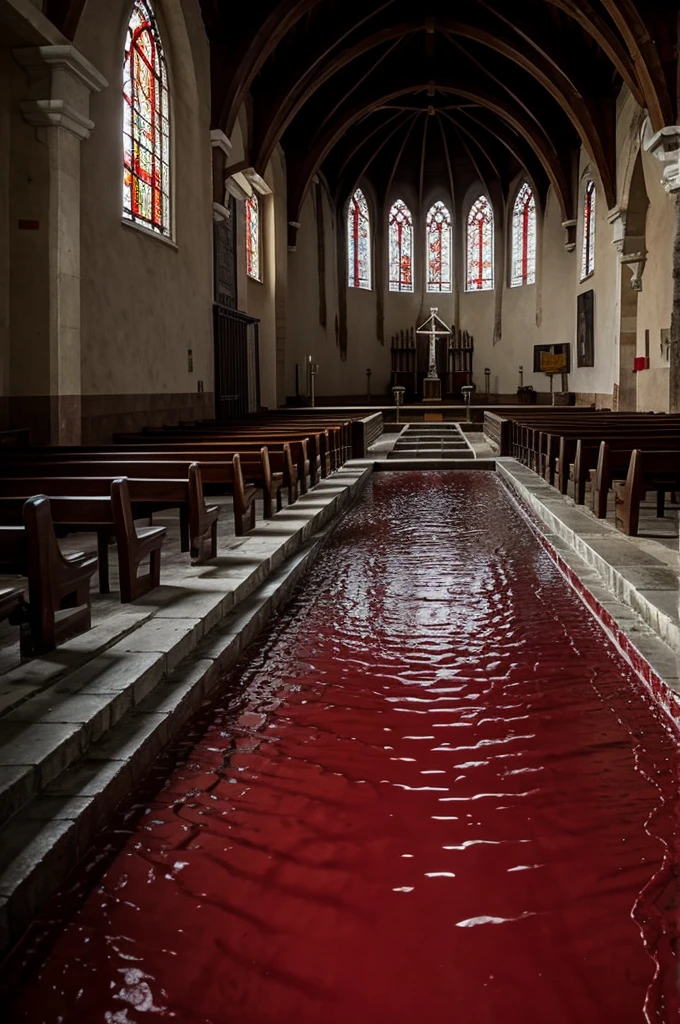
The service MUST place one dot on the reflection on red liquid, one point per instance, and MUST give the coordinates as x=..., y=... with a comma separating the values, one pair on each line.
x=431, y=793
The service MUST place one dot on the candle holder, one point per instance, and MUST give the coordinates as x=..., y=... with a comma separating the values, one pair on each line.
x=313, y=370
x=398, y=393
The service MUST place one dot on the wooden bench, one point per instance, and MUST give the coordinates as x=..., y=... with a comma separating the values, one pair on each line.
x=58, y=585
x=257, y=470
x=648, y=470
x=101, y=515
x=611, y=463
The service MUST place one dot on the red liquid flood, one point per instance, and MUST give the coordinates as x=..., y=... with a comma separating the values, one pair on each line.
x=432, y=792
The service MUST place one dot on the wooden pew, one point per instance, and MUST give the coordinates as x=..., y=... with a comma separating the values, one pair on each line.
x=612, y=463
x=101, y=515
x=305, y=449
x=58, y=585
x=156, y=483
x=258, y=469
x=134, y=545
x=648, y=470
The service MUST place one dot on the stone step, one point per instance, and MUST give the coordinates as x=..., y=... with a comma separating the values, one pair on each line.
x=417, y=453
x=46, y=726
x=75, y=760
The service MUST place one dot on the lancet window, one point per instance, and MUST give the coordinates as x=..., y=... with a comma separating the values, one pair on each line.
x=401, y=248
x=438, y=228
x=253, y=255
x=358, y=242
x=524, y=238
x=588, y=254
x=146, y=124
x=480, y=246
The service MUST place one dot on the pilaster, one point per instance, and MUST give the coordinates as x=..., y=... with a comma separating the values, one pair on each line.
x=61, y=81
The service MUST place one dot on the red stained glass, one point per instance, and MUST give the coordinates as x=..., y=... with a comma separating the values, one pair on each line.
x=358, y=242
x=480, y=246
x=253, y=259
x=146, y=124
x=524, y=238
x=401, y=248
x=438, y=226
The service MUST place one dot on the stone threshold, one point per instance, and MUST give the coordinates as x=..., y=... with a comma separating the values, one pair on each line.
x=70, y=753
x=411, y=464
x=633, y=594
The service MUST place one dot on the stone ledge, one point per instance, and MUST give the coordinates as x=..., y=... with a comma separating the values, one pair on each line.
x=611, y=574
x=112, y=717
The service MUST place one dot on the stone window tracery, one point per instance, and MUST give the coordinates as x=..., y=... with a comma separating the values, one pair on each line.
x=438, y=228
x=146, y=124
x=523, y=238
x=401, y=248
x=479, y=274
x=358, y=242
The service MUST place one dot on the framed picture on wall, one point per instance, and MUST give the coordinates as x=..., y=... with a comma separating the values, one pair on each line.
x=585, y=329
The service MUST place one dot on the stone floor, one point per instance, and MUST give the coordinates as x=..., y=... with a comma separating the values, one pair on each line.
x=79, y=726
x=634, y=582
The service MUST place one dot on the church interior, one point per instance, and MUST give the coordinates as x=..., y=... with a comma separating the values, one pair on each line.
x=339, y=512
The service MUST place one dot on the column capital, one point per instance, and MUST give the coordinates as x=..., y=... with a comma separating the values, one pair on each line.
x=60, y=83
x=665, y=146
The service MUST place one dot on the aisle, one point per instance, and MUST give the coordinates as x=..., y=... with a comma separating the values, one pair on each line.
x=431, y=793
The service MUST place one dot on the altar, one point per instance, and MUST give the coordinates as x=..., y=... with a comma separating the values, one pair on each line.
x=453, y=357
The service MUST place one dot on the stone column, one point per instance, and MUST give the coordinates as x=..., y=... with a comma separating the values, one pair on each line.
x=60, y=83
x=665, y=146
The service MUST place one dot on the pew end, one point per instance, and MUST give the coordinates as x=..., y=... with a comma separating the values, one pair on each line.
x=134, y=545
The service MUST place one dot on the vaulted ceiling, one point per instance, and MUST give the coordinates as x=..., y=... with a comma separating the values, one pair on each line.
x=359, y=87
x=476, y=89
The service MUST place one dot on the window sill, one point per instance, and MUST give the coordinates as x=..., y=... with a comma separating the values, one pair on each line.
x=148, y=233
x=255, y=280
x=588, y=277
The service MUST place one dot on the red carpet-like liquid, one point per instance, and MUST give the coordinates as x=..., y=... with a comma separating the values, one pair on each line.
x=432, y=792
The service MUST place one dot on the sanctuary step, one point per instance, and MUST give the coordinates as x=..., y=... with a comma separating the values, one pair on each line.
x=431, y=441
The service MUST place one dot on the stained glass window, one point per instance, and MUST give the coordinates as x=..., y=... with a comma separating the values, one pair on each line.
x=253, y=261
x=523, y=238
x=438, y=227
x=480, y=246
x=401, y=248
x=588, y=255
x=146, y=124
x=358, y=242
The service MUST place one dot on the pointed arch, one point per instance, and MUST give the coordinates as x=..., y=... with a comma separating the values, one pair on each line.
x=253, y=229
x=523, y=235
x=480, y=247
x=146, y=124
x=438, y=248
x=588, y=241
x=401, y=247
x=358, y=242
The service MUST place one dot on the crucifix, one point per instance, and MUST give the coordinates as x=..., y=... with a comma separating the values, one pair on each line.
x=435, y=328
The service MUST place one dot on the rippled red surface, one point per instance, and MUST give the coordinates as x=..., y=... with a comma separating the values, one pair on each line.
x=432, y=792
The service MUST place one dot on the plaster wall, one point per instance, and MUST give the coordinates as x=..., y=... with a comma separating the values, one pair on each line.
x=146, y=301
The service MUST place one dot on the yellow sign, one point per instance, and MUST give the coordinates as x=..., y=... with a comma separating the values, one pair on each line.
x=553, y=363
